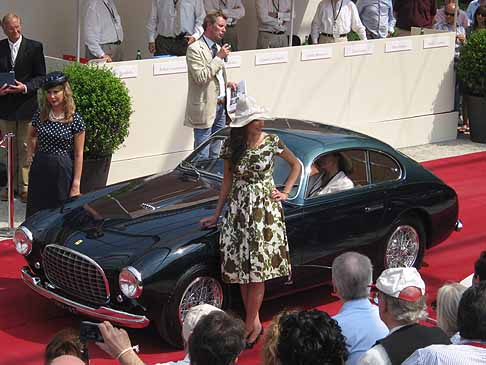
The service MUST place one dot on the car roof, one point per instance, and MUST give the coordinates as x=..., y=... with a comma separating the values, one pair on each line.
x=308, y=139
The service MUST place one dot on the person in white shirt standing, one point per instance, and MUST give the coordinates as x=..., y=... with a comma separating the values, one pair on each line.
x=234, y=11
x=103, y=31
x=273, y=23
x=334, y=19
x=173, y=25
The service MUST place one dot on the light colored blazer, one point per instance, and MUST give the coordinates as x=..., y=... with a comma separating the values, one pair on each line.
x=203, y=86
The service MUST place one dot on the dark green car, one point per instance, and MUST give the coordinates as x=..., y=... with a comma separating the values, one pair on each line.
x=134, y=252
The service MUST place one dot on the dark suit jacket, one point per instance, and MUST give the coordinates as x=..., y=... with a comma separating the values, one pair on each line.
x=30, y=69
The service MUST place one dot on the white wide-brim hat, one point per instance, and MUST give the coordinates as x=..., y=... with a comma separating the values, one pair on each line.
x=247, y=110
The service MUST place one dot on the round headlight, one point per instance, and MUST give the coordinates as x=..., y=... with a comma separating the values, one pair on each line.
x=130, y=281
x=23, y=240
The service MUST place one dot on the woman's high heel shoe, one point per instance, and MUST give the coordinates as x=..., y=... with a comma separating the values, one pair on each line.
x=249, y=345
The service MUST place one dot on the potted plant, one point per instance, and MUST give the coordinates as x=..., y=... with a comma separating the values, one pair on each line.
x=102, y=100
x=471, y=71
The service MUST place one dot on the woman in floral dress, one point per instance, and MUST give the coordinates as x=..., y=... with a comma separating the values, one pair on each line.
x=253, y=241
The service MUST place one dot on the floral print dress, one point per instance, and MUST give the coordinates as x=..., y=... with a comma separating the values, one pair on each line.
x=253, y=241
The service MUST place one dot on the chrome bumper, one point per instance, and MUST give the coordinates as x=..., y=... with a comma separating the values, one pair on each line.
x=101, y=313
x=458, y=225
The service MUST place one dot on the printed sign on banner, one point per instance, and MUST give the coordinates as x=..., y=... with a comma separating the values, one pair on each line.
x=316, y=53
x=167, y=68
x=398, y=45
x=125, y=71
x=436, y=42
x=358, y=49
x=269, y=58
x=233, y=61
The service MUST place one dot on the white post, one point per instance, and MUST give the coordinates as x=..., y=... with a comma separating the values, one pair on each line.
x=7, y=143
x=292, y=13
x=78, y=23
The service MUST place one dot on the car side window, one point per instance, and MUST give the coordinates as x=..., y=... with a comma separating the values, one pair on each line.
x=206, y=159
x=358, y=173
x=337, y=171
x=383, y=168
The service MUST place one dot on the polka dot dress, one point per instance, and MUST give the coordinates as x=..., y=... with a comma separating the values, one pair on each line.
x=57, y=138
x=51, y=173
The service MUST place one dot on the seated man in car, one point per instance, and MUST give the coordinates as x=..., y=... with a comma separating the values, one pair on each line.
x=328, y=174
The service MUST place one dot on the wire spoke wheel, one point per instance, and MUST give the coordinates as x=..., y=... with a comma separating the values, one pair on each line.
x=403, y=247
x=202, y=290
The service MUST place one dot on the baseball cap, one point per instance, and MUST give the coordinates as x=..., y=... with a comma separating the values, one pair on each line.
x=403, y=283
x=193, y=316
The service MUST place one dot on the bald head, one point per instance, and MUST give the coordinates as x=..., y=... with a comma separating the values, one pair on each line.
x=67, y=360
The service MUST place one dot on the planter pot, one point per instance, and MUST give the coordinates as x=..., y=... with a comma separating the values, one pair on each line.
x=95, y=174
x=476, y=108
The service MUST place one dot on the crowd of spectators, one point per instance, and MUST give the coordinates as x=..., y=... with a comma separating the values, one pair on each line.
x=389, y=332
x=174, y=25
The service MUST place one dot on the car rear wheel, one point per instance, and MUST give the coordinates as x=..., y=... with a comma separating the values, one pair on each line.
x=198, y=286
x=404, y=244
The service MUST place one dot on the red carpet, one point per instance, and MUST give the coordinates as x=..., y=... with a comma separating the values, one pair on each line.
x=27, y=322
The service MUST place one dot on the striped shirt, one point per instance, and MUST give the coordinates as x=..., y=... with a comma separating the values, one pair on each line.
x=448, y=355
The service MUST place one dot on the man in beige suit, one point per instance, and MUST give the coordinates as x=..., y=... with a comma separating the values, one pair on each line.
x=206, y=96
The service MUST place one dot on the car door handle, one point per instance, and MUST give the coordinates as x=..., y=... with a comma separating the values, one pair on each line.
x=374, y=208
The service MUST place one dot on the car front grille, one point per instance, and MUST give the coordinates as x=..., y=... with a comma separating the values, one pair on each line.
x=76, y=274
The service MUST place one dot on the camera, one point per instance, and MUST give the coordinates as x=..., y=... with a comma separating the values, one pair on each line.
x=89, y=331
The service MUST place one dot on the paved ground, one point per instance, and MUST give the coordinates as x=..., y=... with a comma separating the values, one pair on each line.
x=460, y=146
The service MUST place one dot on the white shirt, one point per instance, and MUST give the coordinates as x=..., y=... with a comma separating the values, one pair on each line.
x=102, y=25
x=169, y=18
x=346, y=19
x=14, y=49
x=377, y=355
x=232, y=9
x=219, y=75
x=339, y=182
x=267, y=23
x=448, y=355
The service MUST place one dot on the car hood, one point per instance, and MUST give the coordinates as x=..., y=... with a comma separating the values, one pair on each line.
x=160, y=212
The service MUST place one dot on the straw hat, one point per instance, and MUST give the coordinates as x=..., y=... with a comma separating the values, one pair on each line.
x=247, y=110
x=193, y=316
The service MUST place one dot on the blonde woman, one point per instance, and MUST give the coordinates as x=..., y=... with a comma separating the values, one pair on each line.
x=448, y=298
x=55, y=147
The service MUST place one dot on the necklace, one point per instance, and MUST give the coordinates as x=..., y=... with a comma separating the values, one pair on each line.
x=56, y=117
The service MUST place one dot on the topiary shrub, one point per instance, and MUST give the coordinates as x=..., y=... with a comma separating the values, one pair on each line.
x=102, y=100
x=471, y=68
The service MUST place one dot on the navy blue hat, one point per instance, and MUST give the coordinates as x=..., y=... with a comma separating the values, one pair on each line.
x=53, y=79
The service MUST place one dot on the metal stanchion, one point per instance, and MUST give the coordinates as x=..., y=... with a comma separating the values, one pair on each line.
x=7, y=142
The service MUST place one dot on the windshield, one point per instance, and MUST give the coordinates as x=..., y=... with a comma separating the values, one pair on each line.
x=205, y=160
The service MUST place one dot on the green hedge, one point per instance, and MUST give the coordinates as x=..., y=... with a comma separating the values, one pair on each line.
x=471, y=68
x=103, y=101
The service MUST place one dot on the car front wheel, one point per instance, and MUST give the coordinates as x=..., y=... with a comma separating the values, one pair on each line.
x=404, y=244
x=197, y=286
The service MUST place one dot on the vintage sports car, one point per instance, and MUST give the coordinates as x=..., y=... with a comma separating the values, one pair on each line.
x=134, y=252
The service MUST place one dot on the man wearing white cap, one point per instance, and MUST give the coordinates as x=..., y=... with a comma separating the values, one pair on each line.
x=118, y=345
x=401, y=303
